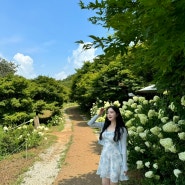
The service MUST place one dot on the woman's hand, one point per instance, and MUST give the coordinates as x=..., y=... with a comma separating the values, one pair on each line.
x=102, y=109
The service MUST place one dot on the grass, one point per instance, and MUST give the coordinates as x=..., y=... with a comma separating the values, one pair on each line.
x=64, y=153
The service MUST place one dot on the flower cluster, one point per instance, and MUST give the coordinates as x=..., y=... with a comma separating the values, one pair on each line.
x=156, y=131
x=156, y=128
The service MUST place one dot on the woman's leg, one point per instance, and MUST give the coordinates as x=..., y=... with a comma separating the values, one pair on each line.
x=105, y=181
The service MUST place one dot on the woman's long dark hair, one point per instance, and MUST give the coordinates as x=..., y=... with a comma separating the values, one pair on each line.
x=120, y=125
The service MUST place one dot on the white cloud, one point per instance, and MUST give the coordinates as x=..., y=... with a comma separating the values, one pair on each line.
x=25, y=65
x=60, y=76
x=80, y=55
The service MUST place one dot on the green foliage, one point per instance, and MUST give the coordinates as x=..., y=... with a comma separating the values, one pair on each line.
x=20, y=97
x=156, y=25
x=7, y=68
x=16, y=139
x=15, y=102
x=106, y=80
x=47, y=89
x=67, y=84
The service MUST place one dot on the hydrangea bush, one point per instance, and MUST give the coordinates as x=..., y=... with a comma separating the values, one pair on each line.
x=156, y=143
x=14, y=140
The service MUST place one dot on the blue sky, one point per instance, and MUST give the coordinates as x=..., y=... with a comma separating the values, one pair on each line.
x=40, y=36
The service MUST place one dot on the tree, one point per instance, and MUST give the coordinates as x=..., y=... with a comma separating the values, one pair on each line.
x=6, y=68
x=15, y=102
x=104, y=80
x=158, y=25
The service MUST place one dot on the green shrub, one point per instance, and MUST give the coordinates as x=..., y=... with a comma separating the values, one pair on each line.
x=16, y=139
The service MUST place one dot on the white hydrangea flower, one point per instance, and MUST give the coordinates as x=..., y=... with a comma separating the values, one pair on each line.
x=139, y=107
x=142, y=150
x=172, y=149
x=181, y=135
x=124, y=107
x=175, y=118
x=106, y=104
x=160, y=113
x=177, y=172
x=31, y=120
x=137, y=148
x=147, y=144
x=143, y=135
x=135, y=98
x=170, y=127
x=116, y=103
x=172, y=106
x=164, y=119
x=136, y=111
x=133, y=128
x=155, y=130
x=5, y=128
x=165, y=92
x=167, y=143
x=152, y=113
x=40, y=133
x=125, y=103
x=151, y=101
x=160, y=136
x=182, y=156
x=20, y=137
x=140, y=129
x=155, y=165
x=129, y=123
x=181, y=122
x=143, y=118
x=24, y=126
x=139, y=164
x=149, y=174
x=183, y=101
x=134, y=105
x=141, y=99
x=128, y=113
x=147, y=164
x=156, y=98
x=145, y=102
x=130, y=101
x=132, y=133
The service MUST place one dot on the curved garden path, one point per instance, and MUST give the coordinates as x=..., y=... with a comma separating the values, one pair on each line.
x=81, y=162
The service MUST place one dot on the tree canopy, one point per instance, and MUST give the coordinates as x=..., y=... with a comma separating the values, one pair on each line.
x=6, y=68
x=156, y=25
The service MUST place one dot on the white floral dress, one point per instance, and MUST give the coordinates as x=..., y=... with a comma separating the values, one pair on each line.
x=113, y=160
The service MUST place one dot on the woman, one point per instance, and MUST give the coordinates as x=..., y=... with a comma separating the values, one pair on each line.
x=113, y=160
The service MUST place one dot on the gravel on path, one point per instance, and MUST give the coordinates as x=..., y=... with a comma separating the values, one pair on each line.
x=44, y=171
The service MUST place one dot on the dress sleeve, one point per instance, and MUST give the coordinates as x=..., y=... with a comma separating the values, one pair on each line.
x=123, y=150
x=93, y=123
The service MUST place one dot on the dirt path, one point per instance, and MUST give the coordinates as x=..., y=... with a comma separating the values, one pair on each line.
x=83, y=156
